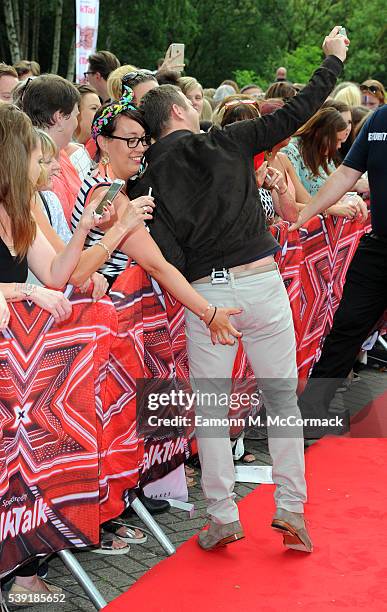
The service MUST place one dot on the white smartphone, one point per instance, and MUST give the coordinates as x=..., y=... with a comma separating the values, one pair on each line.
x=111, y=193
x=175, y=54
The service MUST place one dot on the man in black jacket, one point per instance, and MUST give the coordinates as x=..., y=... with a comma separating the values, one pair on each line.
x=209, y=225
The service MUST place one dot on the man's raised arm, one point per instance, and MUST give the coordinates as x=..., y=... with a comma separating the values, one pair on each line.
x=262, y=134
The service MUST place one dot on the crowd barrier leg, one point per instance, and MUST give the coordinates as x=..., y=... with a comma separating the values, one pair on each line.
x=82, y=578
x=150, y=522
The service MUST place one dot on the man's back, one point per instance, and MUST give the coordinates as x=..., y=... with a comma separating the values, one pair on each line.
x=207, y=205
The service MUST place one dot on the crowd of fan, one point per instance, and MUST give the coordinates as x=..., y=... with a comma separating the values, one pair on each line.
x=46, y=125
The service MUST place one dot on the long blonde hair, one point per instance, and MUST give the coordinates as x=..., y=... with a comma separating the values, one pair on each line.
x=49, y=149
x=17, y=141
x=114, y=82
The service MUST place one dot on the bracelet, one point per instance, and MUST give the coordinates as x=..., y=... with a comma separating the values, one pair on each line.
x=284, y=191
x=103, y=245
x=213, y=317
x=27, y=289
x=203, y=314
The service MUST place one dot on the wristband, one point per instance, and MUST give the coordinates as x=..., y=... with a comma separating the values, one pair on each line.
x=103, y=245
x=203, y=314
x=213, y=317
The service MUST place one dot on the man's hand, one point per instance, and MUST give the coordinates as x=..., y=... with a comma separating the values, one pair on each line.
x=221, y=329
x=336, y=44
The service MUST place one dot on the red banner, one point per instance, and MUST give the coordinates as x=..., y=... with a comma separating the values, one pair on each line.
x=49, y=493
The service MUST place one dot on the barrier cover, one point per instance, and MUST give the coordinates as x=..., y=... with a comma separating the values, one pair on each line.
x=69, y=448
x=49, y=493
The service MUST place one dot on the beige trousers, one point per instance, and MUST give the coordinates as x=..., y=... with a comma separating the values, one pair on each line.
x=269, y=342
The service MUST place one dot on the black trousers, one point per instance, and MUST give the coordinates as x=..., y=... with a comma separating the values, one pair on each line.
x=363, y=302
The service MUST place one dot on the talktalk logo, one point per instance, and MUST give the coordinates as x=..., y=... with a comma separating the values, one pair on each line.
x=160, y=453
x=21, y=520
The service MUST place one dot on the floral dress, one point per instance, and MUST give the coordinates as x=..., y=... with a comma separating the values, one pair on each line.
x=311, y=182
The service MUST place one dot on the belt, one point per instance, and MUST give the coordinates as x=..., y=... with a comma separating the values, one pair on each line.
x=257, y=270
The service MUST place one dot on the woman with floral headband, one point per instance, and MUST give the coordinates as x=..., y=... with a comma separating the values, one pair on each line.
x=121, y=136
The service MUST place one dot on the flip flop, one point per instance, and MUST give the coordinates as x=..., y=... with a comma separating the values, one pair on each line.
x=131, y=532
x=106, y=545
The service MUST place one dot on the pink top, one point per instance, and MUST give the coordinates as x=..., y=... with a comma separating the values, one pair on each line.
x=66, y=186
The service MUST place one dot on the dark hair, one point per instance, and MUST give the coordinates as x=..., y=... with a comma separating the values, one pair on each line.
x=103, y=62
x=237, y=110
x=108, y=128
x=318, y=139
x=281, y=89
x=167, y=77
x=358, y=114
x=25, y=66
x=44, y=95
x=156, y=106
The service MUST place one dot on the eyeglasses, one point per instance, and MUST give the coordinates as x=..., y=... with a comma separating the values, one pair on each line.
x=132, y=143
x=87, y=73
x=374, y=89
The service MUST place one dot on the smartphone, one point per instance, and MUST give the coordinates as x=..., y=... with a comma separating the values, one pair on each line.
x=111, y=193
x=175, y=54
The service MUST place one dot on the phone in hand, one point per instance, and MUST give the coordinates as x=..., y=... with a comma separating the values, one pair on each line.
x=109, y=196
x=175, y=54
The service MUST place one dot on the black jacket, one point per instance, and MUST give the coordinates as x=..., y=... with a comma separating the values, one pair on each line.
x=207, y=207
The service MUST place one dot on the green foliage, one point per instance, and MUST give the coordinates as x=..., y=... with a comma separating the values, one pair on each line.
x=245, y=77
x=301, y=62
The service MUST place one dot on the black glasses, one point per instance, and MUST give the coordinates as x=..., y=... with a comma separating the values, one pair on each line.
x=132, y=143
x=89, y=72
x=371, y=88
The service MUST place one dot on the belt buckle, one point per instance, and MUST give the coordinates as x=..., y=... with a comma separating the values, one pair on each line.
x=219, y=277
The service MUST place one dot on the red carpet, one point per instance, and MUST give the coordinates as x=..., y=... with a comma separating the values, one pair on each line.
x=347, y=515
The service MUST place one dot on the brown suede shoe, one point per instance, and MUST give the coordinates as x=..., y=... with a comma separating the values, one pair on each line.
x=219, y=535
x=292, y=526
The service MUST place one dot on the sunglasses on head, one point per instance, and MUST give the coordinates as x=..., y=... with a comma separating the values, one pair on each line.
x=374, y=89
x=236, y=102
x=135, y=75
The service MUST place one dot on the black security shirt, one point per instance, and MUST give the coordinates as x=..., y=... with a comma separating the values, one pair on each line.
x=369, y=154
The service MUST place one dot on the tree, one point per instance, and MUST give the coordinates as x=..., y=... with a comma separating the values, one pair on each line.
x=57, y=36
x=12, y=34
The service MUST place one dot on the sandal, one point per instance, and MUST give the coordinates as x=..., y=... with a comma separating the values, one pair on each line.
x=131, y=533
x=107, y=545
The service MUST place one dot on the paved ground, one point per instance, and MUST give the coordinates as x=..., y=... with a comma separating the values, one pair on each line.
x=115, y=574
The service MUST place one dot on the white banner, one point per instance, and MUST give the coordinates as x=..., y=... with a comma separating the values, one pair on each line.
x=86, y=35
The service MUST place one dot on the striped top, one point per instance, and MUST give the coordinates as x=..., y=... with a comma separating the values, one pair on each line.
x=118, y=261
